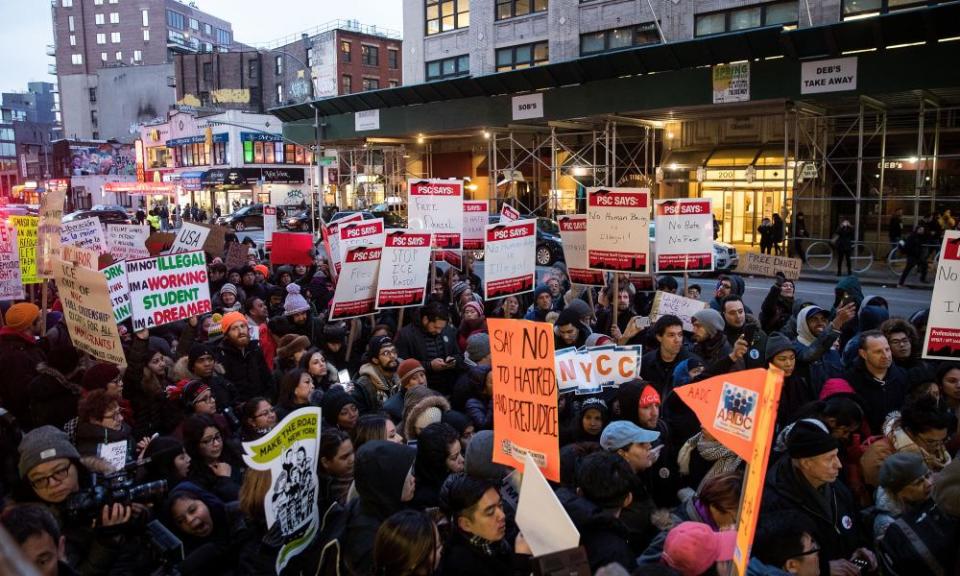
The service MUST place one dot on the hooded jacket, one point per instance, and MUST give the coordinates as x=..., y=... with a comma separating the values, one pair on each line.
x=604, y=536
x=817, y=361
x=870, y=317
x=776, y=309
x=53, y=397
x=245, y=369
x=373, y=387
x=430, y=470
x=218, y=553
x=418, y=403
x=880, y=397
x=19, y=355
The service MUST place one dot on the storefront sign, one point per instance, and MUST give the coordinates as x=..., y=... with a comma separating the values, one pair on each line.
x=366, y=120
x=768, y=265
x=573, y=233
x=942, y=340
x=474, y=223
x=242, y=176
x=168, y=288
x=731, y=83
x=86, y=233
x=436, y=206
x=128, y=241
x=87, y=312
x=190, y=238
x=684, y=235
x=618, y=229
x=356, y=291
x=510, y=263
x=834, y=75
x=404, y=270
x=27, y=243
x=527, y=106
x=48, y=232
x=119, y=288
x=665, y=303
x=11, y=285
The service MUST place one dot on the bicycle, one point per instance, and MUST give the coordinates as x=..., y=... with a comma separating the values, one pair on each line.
x=897, y=260
x=820, y=256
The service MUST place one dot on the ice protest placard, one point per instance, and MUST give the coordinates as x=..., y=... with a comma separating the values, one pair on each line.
x=331, y=239
x=510, y=263
x=508, y=214
x=474, y=224
x=11, y=287
x=437, y=206
x=368, y=233
x=86, y=233
x=684, y=235
x=942, y=339
x=618, y=229
x=190, y=238
x=48, y=231
x=683, y=308
x=87, y=311
x=356, y=291
x=168, y=288
x=573, y=233
x=404, y=270
x=27, y=242
x=128, y=241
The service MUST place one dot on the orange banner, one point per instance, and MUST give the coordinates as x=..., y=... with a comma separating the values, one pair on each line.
x=525, y=419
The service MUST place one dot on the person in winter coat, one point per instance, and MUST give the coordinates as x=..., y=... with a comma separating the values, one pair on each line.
x=337, y=465
x=472, y=322
x=872, y=314
x=20, y=354
x=378, y=377
x=635, y=446
x=438, y=455
x=383, y=472
x=411, y=374
x=542, y=304
x=339, y=409
x=297, y=318
x=215, y=462
x=692, y=549
x=35, y=531
x=296, y=388
x=243, y=363
x=431, y=341
x=710, y=344
x=881, y=384
x=703, y=457
x=779, y=232
x=784, y=545
x=592, y=417
x=169, y=461
x=796, y=392
x=569, y=330
x=905, y=483
x=777, y=307
x=738, y=323
x=765, y=230
x=640, y=403
x=100, y=422
x=843, y=240
x=657, y=365
x=408, y=544
x=55, y=391
x=913, y=249
x=324, y=374
x=422, y=407
x=473, y=396
x=817, y=360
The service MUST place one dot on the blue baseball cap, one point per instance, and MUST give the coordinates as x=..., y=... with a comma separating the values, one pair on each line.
x=623, y=433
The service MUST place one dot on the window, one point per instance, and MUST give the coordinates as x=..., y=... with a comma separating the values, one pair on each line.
x=618, y=38
x=735, y=19
x=446, y=15
x=309, y=57
x=346, y=84
x=394, y=84
x=393, y=58
x=138, y=56
x=146, y=35
x=69, y=3
x=114, y=1
x=93, y=95
x=524, y=56
x=207, y=29
x=223, y=37
x=73, y=39
x=93, y=117
x=98, y=2
x=279, y=93
x=371, y=84
x=115, y=37
x=77, y=59
x=114, y=17
x=194, y=24
x=70, y=24
x=345, y=51
x=145, y=17
x=118, y=56
x=511, y=8
x=208, y=72
x=175, y=20
x=252, y=69
x=101, y=38
x=278, y=64
x=370, y=55
x=104, y=56
x=448, y=68
x=99, y=19
x=207, y=47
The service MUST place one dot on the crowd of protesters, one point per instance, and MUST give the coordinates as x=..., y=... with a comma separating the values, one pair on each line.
x=862, y=479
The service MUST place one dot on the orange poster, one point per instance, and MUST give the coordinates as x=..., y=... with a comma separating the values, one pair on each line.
x=525, y=398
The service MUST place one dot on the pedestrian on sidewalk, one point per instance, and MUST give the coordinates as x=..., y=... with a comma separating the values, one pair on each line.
x=912, y=247
x=779, y=230
x=896, y=227
x=843, y=244
x=800, y=232
x=765, y=230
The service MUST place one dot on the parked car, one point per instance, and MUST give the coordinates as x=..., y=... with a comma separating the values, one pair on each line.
x=106, y=214
x=247, y=217
x=549, y=245
x=725, y=256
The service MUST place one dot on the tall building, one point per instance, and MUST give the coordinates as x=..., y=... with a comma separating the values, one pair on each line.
x=28, y=123
x=37, y=104
x=114, y=60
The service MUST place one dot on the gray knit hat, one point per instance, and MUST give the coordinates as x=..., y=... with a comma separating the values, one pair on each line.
x=478, y=346
x=43, y=444
x=902, y=469
x=710, y=319
x=478, y=460
x=295, y=303
x=777, y=343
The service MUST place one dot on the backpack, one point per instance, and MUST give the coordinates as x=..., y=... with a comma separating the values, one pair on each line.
x=921, y=542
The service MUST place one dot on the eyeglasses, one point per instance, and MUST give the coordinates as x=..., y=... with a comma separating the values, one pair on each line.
x=810, y=552
x=265, y=413
x=388, y=352
x=59, y=474
x=115, y=415
x=216, y=438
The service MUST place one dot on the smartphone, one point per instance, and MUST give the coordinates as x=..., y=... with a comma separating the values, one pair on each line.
x=343, y=376
x=749, y=332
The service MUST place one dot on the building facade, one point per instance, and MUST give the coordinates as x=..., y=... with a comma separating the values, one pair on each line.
x=28, y=123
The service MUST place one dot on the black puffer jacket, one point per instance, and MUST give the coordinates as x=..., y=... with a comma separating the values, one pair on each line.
x=19, y=355
x=603, y=535
x=53, y=397
x=414, y=342
x=246, y=370
x=880, y=398
x=462, y=558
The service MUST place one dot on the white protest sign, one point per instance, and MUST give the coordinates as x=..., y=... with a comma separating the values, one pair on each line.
x=356, y=292
x=361, y=233
x=755, y=264
x=128, y=241
x=588, y=370
x=684, y=235
x=168, y=288
x=573, y=233
x=119, y=288
x=115, y=453
x=942, y=340
x=683, y=308
x=474, y=223
x=48, y=231
x=269, y=225
x=437, y=206
x=190, y=238
x=618, y=229
x=331, y=238
x=834, y=75
x=86, y=233
x=87, y=311
x=544, y=522
x=508, y=214
x=510, y=264
x=404, y=270
x=11, y=283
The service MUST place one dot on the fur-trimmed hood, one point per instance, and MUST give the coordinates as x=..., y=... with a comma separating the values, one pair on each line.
x=414, y=411
x=181, y=372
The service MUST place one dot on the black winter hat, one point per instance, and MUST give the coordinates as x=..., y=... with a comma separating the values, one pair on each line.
x=333, y=402
x=810, y=438
x=777, y=343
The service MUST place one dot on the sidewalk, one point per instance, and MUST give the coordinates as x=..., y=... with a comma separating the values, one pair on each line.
x=878, y=275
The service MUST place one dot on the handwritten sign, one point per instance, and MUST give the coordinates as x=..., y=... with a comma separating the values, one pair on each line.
x=27, y=243
x=358, y=233
x=588, y=370
x=87, y=311
x=292, y=248
x=684, y=235
x=525, y=418
x=236, y=256
x=11, y=286
x=86, y=233
x=618, y=236
x=437, y=206
x=48, y=231
x=942, y=339
x=190, y=238
x=119, y=288
x=510, y=264
x=404, y=270
x=508, y=214
x=128, y=241
x=573, y=233
x=683, y=308
x=168, y=288
x=474, y=224
x=114, y=452
x=753, y=264
x=356, y=291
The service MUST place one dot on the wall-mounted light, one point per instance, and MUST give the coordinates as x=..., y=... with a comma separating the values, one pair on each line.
x=578, y=171
x=486, y=135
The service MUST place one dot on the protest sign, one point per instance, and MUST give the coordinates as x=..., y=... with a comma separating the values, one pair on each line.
x=11, y=285
x=573, y=233
x=510, y=258
x=269, y=225
x=159, y=242
x=942, y=339
x=168, y=288
x=368, y=233
x=525, y=413
x=331, y=239
x=119, y=288
x=684, y=235
x=86, y=233
x=80, y=257
x=236, y=256
x=289, y=452
x=190, y=238
x=404, y=270
x=291, y=248
x=683, y=308
x=87, y=311
x=115, y=453
x=588, y=370
x=27, y=244
x=508, y=214
x=48, y=231
x=474, y=224
x=216, y=238
x=753, y=264
x=544, y=522
x=356, y=291
x=128, y=241
x=451, y=257
x=437, y=206
x=618, y=229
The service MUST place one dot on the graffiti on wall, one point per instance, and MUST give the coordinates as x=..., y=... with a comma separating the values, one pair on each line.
x=102, y=159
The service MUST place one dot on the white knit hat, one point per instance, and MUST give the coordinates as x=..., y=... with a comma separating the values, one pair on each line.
x=295, y=303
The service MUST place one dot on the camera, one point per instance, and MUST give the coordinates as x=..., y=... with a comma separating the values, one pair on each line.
x=117, y=488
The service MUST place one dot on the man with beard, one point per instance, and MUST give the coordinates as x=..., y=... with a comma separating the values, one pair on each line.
x=242, y=359
x=625, y=312
x=569, y=331
x=817, y=360
x=711, y=345
x=738, y=323
x=378, y=377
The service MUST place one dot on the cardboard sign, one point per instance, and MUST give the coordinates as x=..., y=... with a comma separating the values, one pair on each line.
x=168, y=288
x=11, y=286
x=525, y=414
x=115, y=453
x=618, y=229
x=80, y=257
x=545, y=524
x=27, y=243
x=436, y=206
x=753, y=264
x=190, y=238
x=589, y=370
x=119, y=288
x=404, y=270
x=942, y=340
x=159, y=242
x=291, y=248
x=128, y=241
x=684, y=235
x=510, y=259
x=508, y=214
x=356, y=292
x=236, y=256
x=369, y=233
x=573, y=233
x=331, y=239
x=87, y=312
x=86, y=233
x=289, y=452
x=269, y=225
x=48, y=231
x=683, y=308
x=474, y=224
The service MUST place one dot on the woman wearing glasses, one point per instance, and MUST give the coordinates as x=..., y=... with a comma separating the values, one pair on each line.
x=101, y=429
x=215, y=462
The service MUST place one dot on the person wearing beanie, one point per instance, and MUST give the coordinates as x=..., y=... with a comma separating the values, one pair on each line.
x=422, y=406
x=711, y=346
x=249, y=283
x=472, y=321
x=569, y=331
x=462, y=424
x=242, y=359
x=542, y=304
x=803, y=481
x=477, y=351
x=297, y=318
x=339, y=409
x=201, y=364
x=411, y=374
x=20, y=354
x=796, y=392
x=377, y=379
x=592, y=418
x=737, y=322
x=905, y=484
x=290, y=348
x=262, y=272
x=228, y=300
x=294, y=302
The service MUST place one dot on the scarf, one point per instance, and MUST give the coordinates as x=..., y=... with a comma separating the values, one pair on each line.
x=487, y=547
x=903, y=443
x=710, y=450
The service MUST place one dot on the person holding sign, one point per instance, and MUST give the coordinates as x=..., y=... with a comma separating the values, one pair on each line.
x=20, y=354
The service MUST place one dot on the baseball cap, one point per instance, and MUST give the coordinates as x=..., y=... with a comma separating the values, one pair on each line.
x=691, y=548
x=623, y=433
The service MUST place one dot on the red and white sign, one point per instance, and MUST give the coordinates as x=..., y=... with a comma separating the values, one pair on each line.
x=508, y=214
x=361, y=233
x=404, y=270
x=942, y=340
x=474, y=223
x=436, y=206
x=684, y=235
x=510, y=263
x=269, y=225
x=331, y=238
x=618, y=229
x=573, y=232
x=357, y=287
